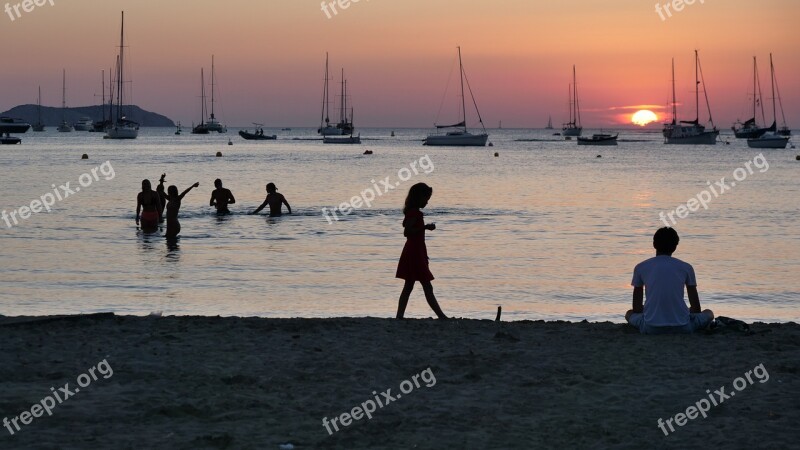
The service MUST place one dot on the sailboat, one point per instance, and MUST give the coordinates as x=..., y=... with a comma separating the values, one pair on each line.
x=213, y=124
x=203, y=127
x=549, y=123
x=100, y=127
x=770, y=139
x=690, y=133
x=573, y=127
x=121, y=128
x=325, y=127
x=39, y=125
x=64, y=127
x=750, y=129
x=459, y=137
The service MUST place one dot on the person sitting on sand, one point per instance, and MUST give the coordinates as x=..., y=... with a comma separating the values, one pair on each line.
x=162, y=195
x=275, y=201
x=174, y=205
x=663, y=278
x=221, y=198
x=148, y=203
x=413, y=265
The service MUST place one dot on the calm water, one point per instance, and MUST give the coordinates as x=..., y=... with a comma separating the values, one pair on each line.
x=546, y=229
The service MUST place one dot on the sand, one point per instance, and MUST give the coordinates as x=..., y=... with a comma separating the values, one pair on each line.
x=211, y=382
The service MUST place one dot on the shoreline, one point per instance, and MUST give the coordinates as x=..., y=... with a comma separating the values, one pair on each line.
x=220, y=382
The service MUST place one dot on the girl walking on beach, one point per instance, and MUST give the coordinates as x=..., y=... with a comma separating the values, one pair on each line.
x=174, y=205
x=413, y=265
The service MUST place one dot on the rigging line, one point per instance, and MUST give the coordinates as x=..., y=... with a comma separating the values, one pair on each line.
x=474, y=103
x=444, y=96
x=778, y=90
x=705, y=92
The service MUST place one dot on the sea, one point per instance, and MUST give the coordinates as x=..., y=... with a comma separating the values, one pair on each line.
x=536, y=224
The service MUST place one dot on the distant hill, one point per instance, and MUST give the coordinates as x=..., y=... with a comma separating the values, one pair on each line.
x=52, y=117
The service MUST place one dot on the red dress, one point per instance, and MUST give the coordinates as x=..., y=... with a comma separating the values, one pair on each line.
x=413, y=265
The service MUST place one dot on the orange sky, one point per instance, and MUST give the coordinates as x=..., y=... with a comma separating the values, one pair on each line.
x=397, y=54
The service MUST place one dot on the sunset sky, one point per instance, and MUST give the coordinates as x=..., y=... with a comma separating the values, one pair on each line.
x=397, y=55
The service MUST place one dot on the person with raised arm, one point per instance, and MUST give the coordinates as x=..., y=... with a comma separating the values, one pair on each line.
x=174, y=205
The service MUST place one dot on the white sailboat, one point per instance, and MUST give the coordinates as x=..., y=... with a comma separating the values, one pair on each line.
x=573, y=127
x=690, y=132
x=325, y=127
x=770, y=139
x=749, y=129
x=460, y=137
x=121, y=127
x=203, y=127
x=213, y=124
x=64, y=127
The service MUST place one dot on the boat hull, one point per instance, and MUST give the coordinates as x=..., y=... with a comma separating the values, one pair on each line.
x=600, y=141
x=38, y=127
x=773, y=141
x=342, y=140
x=461, y=140
x=8, y=125
x=9, y=140
x=704, y=138
x=572, y=132
x=257, y=137
x=121, y=133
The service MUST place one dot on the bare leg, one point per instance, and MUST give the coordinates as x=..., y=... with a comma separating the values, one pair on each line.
x=401, y=305
x=428, y=288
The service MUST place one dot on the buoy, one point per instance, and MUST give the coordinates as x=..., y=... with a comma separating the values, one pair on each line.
x=219, y=154
x=392, y=133
x=599, y=156
x=496, y=154
x=85, y=156
x=230, y=142
x=797, y=157
x=491, y=144
x=368, y=152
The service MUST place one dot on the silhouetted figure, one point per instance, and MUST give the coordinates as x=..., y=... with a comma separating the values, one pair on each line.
x=221, y=198
x=275, y=200
x=663, y=278
x=174, y=205
x=413, y=265
x=148, y=203
x=162, y=195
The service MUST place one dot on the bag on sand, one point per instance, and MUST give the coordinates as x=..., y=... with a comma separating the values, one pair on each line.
x=724, y=324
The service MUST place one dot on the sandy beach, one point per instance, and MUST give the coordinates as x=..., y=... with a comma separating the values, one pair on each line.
x=211, y=382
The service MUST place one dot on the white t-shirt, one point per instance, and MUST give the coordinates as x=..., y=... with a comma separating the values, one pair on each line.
x=664, y=278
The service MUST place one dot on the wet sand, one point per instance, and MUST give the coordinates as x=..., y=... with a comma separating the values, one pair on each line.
x=211, y=382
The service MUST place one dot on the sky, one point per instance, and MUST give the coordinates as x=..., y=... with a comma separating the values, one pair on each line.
x=399, y=55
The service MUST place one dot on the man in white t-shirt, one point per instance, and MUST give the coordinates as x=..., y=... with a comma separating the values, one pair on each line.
x=662, y=278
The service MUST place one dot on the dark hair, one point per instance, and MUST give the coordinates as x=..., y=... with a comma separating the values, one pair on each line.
x=271, y=187
x=146, y=186
x=173, y=191
x=218, y=182
x=666, y=240
x=418, y=195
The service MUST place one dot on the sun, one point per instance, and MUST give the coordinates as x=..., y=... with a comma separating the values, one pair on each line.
x=643, y=117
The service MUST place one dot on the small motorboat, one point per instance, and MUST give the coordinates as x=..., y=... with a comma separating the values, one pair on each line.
x=599, y=139
x=84, y=124
x=9, y=140
x=258, y=135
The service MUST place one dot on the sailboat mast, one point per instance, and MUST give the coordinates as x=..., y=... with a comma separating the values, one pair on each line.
x=342, y=110
x=212, y=87
x=463, y=100
x=674, y=100
x=64, y=95
x=324, y=118
x=772, y=78
x=577, y=104
x=121, y=65
x=755, y=75
x=697, y=86
x=40, y=106
x=103, y=92
x=202, y=97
